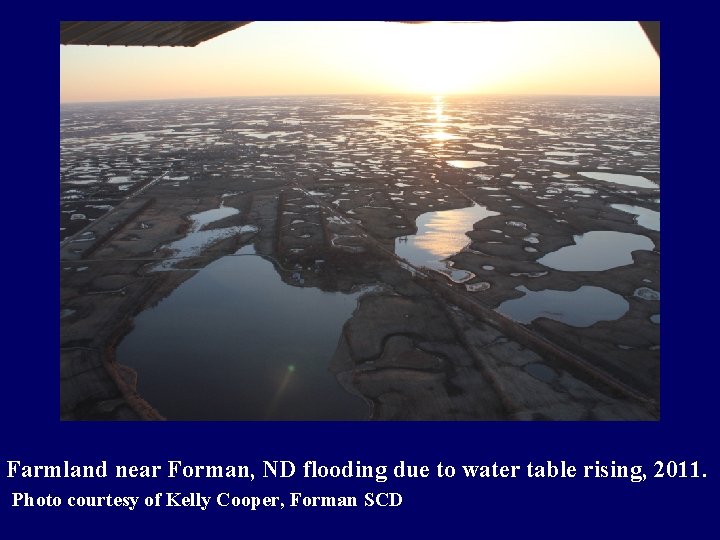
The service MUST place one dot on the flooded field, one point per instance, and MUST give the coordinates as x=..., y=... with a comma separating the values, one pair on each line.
x=441, y=235
x=361, y=257
x=236, y=343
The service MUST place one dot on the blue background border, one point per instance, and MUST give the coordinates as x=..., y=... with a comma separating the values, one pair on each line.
x=32, y=433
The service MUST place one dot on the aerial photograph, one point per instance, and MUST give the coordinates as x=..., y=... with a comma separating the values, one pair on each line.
x=359, y=220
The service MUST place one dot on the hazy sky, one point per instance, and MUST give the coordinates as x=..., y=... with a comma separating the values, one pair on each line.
x=276, y=58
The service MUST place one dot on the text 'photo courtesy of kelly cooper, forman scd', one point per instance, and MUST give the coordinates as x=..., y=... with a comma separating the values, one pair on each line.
x=247, y=498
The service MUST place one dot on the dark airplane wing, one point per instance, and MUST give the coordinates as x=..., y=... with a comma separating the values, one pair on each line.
x=143, y=33
x=190, y=33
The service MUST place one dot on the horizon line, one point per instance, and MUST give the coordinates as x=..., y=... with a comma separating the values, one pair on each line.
x=377, y=94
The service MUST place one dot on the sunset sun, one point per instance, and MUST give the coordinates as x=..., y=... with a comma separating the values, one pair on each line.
x=354, y=57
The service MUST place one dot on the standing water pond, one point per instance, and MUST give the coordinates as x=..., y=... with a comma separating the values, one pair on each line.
x=439, y=236
x=235, y=342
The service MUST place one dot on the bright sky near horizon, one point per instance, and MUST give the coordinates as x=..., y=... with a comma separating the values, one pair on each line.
x=293, y=58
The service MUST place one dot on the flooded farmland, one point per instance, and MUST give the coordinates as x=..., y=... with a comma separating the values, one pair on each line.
x=361, y=257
